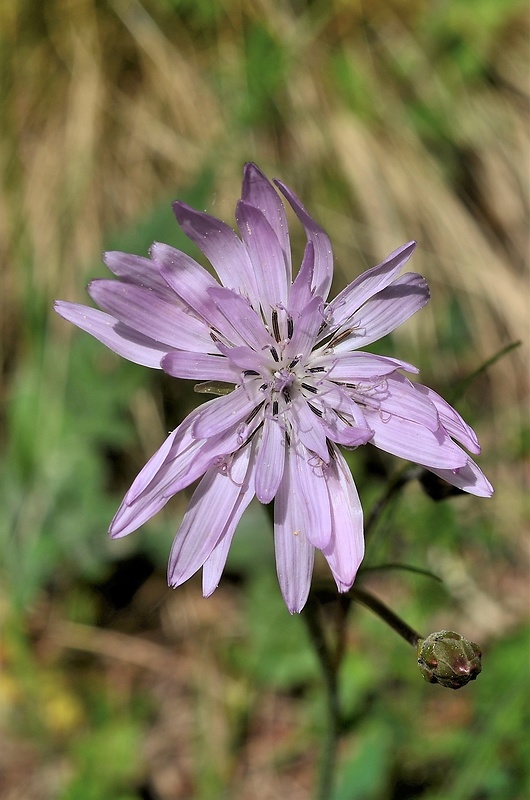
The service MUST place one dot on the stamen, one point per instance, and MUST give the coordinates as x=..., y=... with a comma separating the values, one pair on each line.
x=274, y=354
x=286, y=395
x=316, y=369
x=248, y=372
x=290, y=327
x=264, y=386
x=293, y=363
x=316, y=411
x=275, y=325
x=254, y=412
x=214, y=336
x=308, y=388
x=324, y=325
x=275, y=408
x=340, y=338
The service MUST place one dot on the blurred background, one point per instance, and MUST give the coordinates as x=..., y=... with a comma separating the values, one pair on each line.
x=391, y=121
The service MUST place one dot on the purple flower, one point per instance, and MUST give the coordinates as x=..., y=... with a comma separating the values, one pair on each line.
x=296, y=384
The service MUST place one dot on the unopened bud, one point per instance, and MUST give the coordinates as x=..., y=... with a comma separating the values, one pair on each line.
x=447, y=658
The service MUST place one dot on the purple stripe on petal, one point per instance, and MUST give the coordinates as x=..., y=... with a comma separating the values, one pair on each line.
x=123, y=340
x=369, y=283
x=222, y=247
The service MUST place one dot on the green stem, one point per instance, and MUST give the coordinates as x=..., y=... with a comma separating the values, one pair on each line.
x=313, y=618
x=388, y=616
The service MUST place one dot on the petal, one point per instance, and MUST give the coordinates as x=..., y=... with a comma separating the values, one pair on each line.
x=323, y=266
x=407, y=439
x=189, y=281
x=308, y=428
x=140, y=271
x=345, y=550
x=359, y=366
x=385, y=311
x=258, y=192
x=369, y=283
x=212, y=510
x=294, y=554
x=469, y=478
x=222, y=247
x=143, y=311
x=309, y=490
x=347, y=434
x=266, y=255
x=395, y=395
x=451, y=420
x=242, y=319
x=222, y=413
x=123, y=340
x=270, y=460
x=199, y=366
x=305, y=330
x=300, y=294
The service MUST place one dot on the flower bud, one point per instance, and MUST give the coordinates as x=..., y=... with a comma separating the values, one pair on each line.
x=447, y=658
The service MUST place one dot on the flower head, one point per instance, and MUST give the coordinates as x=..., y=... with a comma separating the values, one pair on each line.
x=298, y=384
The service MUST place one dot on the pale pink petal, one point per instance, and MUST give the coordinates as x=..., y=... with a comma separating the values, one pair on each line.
x=200, y=366
x=123, y=340
x=469, y=478
x=451, y=420
x=270, y=460
x=345, y=550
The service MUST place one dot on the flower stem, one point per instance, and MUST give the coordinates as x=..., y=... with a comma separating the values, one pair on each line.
x=386, y=614
x=312, y=616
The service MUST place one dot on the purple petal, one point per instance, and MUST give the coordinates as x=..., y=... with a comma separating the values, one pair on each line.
x=270, y=461
x=407, y=439
x=143, y=311
x=451, y=420
x=123, y=340
x=345, y=550
x=244, y=358
x=241, y=317
x=300, y=294
x=358, y=366
x=216, y=505
x=222, y=247
x=340, y=431
x=369, y=283
x=469, y=478
x=309, y=491
x=189, y=281
x=385, y=311
x=258, y=192
x=139, y=271
x=222, y=413
x=294, y=554
x=323, y=266
x=396, y=396
x=199, y=366
x=305, y=329
x=267, y=257
x=308, y=428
